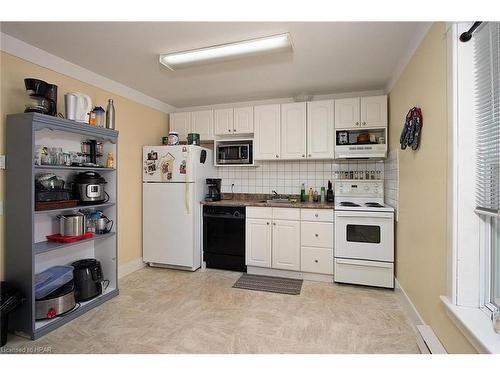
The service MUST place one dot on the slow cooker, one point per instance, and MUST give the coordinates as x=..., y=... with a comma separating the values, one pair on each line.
x=58, y=302
x=89, y=188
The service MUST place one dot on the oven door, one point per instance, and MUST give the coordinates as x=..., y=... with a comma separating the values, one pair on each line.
x=364, y=235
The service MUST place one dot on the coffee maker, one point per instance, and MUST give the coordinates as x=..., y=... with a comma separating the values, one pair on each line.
x=213, y=189
x=43, y=97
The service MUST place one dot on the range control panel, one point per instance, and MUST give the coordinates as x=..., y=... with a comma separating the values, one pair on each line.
x=359, y=188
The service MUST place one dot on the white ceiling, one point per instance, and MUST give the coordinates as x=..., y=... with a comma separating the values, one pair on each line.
x=328, y=57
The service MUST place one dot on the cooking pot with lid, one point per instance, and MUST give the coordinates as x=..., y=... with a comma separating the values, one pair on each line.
x=89, y=188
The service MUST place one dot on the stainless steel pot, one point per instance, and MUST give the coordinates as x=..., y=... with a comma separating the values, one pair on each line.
x=71, y=225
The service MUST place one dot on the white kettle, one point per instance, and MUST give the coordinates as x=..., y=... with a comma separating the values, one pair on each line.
x=78, y=106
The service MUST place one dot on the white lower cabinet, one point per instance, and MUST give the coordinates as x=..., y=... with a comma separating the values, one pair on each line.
x=286, y=245
x=258, y=242
x=316, y=260
x=276, y=238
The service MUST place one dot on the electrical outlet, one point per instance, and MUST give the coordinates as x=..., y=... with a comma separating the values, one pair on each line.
x=2, y=161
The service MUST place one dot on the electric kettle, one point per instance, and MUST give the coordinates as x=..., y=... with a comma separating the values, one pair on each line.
x=78, y=106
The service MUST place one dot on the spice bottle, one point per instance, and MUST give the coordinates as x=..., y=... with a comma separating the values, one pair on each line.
x=109, y=161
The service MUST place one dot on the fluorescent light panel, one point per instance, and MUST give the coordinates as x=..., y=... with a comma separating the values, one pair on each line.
x=275, y=43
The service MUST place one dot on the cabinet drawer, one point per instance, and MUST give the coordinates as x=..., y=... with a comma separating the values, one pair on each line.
x=286, y=213
x=364, y=272
x=259, y=212
x=316, y=260
x=317, y=234
x=308, y=214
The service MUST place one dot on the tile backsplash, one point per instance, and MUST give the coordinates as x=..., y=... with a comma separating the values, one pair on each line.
x=391, y=180
x=286, y=177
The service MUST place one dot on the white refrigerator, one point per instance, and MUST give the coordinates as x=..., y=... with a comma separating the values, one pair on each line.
x=173, y=186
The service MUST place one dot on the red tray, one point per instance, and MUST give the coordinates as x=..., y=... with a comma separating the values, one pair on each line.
x=66, y=239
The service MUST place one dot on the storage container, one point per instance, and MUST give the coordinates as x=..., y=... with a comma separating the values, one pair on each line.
x=51, y=279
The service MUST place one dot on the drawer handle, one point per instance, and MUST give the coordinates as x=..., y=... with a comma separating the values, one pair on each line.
x=315, y=261
x=317, y=235
x=316, y=215
x=274, y=223
x=268, y=223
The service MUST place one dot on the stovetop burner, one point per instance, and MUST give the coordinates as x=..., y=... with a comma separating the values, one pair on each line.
x=349, y=204
x=373, y=204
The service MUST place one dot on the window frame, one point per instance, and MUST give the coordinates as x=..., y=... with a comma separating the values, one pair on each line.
x=469, y=272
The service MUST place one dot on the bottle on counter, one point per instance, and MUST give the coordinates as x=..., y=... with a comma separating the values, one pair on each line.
x=322, y=190
x=311, y=195
x=316, y=196
x=110, y=115
x=303, y=193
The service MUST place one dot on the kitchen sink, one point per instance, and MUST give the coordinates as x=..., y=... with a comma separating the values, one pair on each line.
x=278, y=200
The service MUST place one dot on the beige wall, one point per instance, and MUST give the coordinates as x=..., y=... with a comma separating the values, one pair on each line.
x=138, y=125
x=421, y=238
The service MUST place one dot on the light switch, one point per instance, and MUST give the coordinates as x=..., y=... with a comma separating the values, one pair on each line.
x=2, y=161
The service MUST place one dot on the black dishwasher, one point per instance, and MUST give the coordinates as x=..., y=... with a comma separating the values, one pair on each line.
x=224, y=237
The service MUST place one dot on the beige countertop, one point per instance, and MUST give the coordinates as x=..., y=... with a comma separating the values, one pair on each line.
x=259, y=200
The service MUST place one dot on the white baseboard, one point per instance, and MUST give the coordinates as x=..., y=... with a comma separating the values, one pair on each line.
x=410, y=308
x=129, y=267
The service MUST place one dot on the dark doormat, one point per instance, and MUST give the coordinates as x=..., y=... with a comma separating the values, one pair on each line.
x=269, y=284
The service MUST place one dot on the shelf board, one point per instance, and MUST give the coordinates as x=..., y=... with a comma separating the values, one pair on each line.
x=71, y=168
x=45, y=246
x=82, y=207
x=43, y=327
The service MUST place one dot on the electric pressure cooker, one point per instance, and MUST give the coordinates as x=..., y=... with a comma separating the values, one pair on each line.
x=89, y=188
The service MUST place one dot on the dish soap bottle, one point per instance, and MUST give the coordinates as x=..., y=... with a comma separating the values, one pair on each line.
x=303, y=193
x=322, y=193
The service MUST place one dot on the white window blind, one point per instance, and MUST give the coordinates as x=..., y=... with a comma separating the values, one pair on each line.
x=487, y=94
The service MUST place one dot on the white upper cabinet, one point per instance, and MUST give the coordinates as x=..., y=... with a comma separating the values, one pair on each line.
x=320, y=129
x=243, y=120
x=224, y=121
x=267, y=132
x=293, y=131
x=180, y=122
x=374, y=111
x=286, y=245
x=202, y=122
x=347, y=113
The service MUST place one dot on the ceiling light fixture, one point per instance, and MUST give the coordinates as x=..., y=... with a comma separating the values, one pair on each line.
x=275, y=43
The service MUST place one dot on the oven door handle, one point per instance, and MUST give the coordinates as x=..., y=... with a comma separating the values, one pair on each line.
x=371, y=215
x=364, y=263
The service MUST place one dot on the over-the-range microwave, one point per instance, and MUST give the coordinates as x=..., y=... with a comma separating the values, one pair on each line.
x=234, y=152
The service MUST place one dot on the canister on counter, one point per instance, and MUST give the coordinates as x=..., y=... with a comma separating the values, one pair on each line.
x=194, y=139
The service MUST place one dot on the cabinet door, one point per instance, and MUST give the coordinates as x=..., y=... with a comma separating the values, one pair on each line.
x=223, y=121
x=258, y=242
x=374, y=111
x=267, y=132
x=286, y=245
x=202, y=122
x=320, y=130
x=180, y=122
x=347, y=113
x=243, y=120
x=293, y=131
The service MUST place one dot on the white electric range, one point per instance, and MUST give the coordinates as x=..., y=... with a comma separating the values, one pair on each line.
x=364, y=234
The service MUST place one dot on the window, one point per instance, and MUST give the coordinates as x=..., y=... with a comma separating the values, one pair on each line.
x=486, y=60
